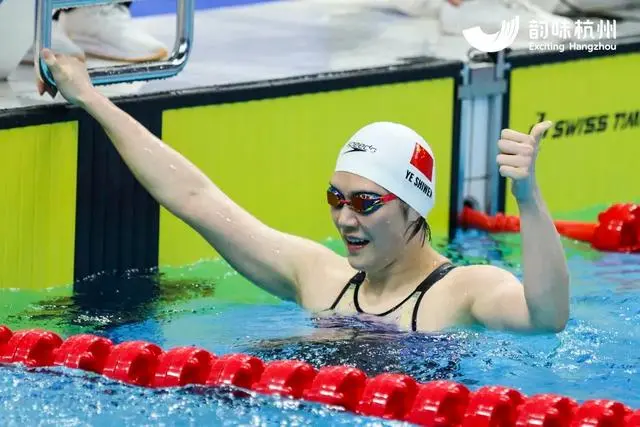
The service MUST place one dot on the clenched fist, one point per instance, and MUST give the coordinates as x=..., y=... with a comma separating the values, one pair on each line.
x=517, y=158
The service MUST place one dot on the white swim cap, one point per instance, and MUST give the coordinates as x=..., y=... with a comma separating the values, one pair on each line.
x=394, y=157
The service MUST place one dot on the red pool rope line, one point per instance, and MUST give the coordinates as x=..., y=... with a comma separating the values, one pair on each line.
x=617, y=229
x=392, y=396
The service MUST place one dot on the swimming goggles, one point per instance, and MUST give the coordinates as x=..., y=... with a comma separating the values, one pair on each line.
x=362, y=203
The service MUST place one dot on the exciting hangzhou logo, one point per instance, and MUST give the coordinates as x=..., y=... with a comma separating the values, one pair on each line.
x=582, y=34
x=585, y=34
x=496, y=41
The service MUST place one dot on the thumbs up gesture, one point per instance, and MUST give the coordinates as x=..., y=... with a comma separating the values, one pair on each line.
x=517, y=157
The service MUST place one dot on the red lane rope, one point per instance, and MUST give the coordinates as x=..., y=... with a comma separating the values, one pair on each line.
x=617, y=229
x=393, y=396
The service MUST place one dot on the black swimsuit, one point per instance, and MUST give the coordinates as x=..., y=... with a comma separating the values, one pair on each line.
x=354, y=285
x=374, y=347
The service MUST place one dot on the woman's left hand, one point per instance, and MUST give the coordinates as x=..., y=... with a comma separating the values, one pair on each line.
x=517, y=156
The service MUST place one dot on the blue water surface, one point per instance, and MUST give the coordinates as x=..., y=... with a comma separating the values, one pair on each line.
x=595, y=357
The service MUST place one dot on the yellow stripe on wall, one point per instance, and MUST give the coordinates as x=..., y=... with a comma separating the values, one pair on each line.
x=275, y=157
x=38, y=205
x=589, y=157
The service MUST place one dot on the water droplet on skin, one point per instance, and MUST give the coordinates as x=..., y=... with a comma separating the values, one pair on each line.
x=172, y=167
x=276, y=251
x=228, y=219
x=148, y=150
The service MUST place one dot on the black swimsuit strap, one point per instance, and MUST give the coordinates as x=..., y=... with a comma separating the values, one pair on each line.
x=357, y=280
x=422, y=288
x=426, y=284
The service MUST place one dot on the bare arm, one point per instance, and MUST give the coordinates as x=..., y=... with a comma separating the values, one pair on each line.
x=258, y=252
x=546, y=275
x=497, y=298
x=276, y=261
x=542, y=303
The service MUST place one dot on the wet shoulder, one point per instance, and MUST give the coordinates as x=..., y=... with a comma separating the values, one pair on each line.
x=448, y=303
x=481, y=277
x=324, y=282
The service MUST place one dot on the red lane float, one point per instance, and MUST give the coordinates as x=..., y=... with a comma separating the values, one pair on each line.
x=547, y=410
x=237, y=370
x=633, y=419
x=439, y=403
x=288, y=378
x=617, y=229
x=181, y=366
x=493, y=406
x=601, y=413
x=337, y=385
x=388, y=396
x=86, y=352
x=133, y=362
x=5, y=334
x=392, y=396
x=32, y=347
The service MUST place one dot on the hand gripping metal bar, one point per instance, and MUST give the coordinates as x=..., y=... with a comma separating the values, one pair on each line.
x=118, y=73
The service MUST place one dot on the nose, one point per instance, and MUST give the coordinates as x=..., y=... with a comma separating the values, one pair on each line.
x=346, y=218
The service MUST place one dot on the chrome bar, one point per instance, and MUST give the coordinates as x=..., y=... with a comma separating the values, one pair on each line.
x=119, y=73
x=61, y=4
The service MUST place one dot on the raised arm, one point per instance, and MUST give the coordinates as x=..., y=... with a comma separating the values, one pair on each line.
x=542, y=301
x=271, y=259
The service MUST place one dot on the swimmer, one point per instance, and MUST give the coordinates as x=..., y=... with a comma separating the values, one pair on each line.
x=379, y=197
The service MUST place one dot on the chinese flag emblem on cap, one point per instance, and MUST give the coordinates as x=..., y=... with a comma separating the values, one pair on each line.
x=423, y=161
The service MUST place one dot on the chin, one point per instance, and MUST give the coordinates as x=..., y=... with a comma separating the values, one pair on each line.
x=359, y=262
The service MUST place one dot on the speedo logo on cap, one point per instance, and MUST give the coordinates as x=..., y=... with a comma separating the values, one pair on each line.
x=359, y=146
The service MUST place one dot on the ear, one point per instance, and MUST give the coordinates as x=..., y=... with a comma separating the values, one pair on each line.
x=404, y=209
x=409, y=214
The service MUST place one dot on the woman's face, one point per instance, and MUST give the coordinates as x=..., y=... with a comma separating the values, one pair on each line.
x=373, y=240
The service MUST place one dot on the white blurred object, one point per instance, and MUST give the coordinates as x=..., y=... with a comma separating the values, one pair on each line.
x=415, y=8
x=109, y=32
x=489, y=14
x=594, y=6
x=60, y=43
x=422, y=8
x=17, y=28
x=548, y=5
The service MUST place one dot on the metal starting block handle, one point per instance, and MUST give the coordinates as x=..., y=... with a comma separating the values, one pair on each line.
x=118, y=73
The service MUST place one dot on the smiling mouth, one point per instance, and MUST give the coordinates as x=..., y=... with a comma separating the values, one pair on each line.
x=354, y=244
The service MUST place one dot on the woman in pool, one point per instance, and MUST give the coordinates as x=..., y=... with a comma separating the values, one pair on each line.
x=380, y=195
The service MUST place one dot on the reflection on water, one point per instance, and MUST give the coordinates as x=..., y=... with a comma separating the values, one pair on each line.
x=111, y=299
x=593, y=358
x=108, y=300
x=371, y=346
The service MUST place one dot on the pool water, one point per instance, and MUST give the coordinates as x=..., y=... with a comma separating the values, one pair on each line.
x=210, y=306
